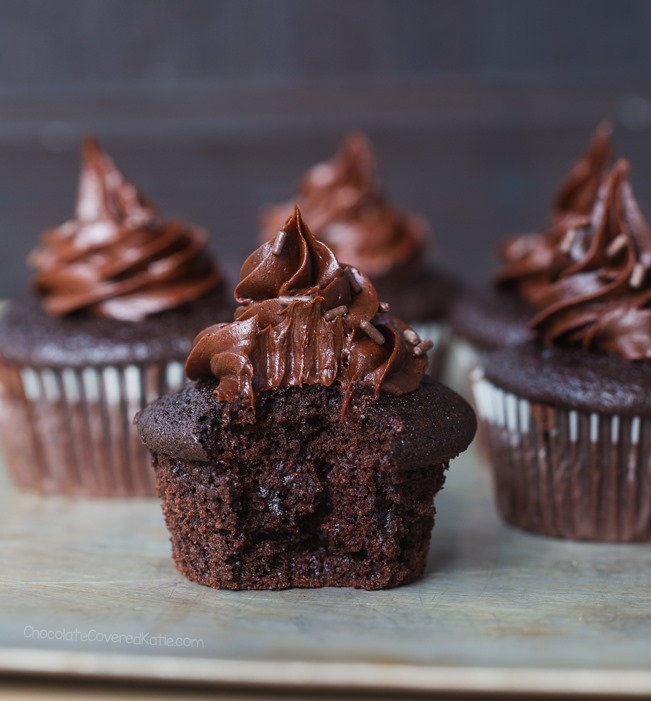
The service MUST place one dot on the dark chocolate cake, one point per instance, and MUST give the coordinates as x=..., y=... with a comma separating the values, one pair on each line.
x=309, y=449
x=301, y=498
x=491, y=318
x=570, y=377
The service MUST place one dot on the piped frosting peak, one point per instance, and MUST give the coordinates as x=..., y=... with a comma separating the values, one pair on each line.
x=344, y=203
x=600, y=293
x=580, y=187
x=117, y=258
x=527, y=259
x=305, y=319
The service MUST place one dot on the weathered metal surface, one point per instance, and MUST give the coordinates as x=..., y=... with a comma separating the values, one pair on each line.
x=498, y=609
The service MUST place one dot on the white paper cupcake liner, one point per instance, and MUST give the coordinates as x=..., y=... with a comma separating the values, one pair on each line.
x=69, y=430
x=564, y=472
x=439, y=333
x=463, y=361
x=463, y=358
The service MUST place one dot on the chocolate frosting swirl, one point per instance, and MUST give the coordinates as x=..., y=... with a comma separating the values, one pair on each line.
x=527, y=258
x=304, y=319
x=601, y=298
x=346, y=208
x=116, y=258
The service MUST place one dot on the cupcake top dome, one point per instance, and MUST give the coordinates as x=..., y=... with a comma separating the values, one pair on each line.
x=116, y=257
x=305, y=319
x=344, y=203
x=599, y=296
x=527, y=258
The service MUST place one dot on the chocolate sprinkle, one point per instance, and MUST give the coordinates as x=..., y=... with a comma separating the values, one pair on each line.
x=335, y=312
x=288, y=299
x=411, y=336
x=279, y=242
x=372, y=332
x=423, y=347
x=637, y=276
x=355, y=286
x=617, y=245
x=568, y=240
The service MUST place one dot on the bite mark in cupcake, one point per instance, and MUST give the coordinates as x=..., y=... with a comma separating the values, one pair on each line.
x=310, y=445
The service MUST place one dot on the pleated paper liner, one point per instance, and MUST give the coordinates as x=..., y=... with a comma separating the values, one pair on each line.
x=466, y=359
x=463, y=361
x=69, y=430
x=567, y=473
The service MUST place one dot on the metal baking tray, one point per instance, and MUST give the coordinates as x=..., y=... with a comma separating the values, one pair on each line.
x=88, y=589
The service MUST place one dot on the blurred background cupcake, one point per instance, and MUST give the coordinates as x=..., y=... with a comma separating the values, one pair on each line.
x=498, y=314
x=568, y=414
x=118, y=296
x=347, y=209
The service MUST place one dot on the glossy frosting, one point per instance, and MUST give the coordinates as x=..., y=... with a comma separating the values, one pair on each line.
x=527, y=259
x=304, y=319
x=116, y=258
x=346, y=208
x=601, y=298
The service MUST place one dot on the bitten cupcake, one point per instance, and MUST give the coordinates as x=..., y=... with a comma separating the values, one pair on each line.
x=118, y=296
x=308, y=450
x=569, y=414
x=498, y=315
x=347, y=210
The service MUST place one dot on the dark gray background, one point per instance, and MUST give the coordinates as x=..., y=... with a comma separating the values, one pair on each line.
x=214, y=108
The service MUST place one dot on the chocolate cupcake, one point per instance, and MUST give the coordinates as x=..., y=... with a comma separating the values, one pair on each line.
x=310, y=446
x=118, y=296
x=498, y=315
x=569, y=413
x=347, y=210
